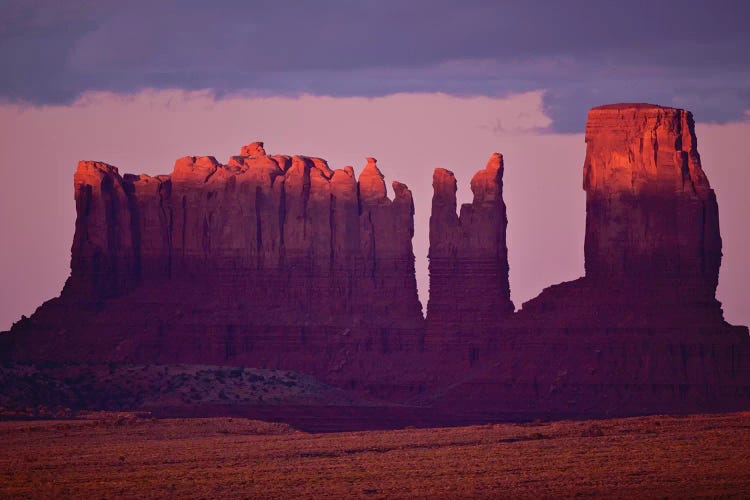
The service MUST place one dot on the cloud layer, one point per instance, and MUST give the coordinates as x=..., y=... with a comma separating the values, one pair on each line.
x=687, y=53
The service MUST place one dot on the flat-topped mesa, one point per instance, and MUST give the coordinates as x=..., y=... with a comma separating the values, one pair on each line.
x=468, y=255
x=271, y=256
x=651, y=216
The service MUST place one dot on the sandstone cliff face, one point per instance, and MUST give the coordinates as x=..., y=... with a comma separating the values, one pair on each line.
x=469, y=290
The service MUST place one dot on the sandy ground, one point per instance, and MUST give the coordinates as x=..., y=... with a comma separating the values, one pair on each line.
x=120, y=455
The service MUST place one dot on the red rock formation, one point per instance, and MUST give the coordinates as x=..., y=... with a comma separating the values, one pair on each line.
x=642, y=331
x=266, y=261
x=469, y=290
x=281, y=262
x=651, y=216
x=652, y=224
x=103, y=263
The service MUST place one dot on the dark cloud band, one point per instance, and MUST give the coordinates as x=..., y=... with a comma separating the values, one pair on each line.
x=687, y=53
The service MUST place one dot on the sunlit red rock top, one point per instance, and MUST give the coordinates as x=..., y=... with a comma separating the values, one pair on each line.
x=632, y=147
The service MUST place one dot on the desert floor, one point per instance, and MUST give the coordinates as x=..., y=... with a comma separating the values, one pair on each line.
x=122, y=455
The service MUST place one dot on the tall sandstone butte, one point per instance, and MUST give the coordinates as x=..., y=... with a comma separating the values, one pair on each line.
x=652, y=220
x=653, y=247
x=271, y=261
x=469, y=288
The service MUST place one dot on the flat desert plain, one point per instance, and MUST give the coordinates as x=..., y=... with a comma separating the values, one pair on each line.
x=126, y=456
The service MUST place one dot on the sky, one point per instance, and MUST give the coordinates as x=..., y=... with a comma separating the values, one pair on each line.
x=417, y=84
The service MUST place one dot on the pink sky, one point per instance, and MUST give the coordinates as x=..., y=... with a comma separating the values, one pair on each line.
x=409, y=134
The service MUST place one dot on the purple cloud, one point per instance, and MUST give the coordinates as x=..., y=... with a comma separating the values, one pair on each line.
x=688, y=53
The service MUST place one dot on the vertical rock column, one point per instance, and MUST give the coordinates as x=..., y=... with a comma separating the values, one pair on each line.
x=468, y=258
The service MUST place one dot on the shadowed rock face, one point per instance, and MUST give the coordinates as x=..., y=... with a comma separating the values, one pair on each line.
x=281, y=262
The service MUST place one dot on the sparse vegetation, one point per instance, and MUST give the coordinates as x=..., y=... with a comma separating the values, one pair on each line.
x=129, y=455
x=60, y=390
